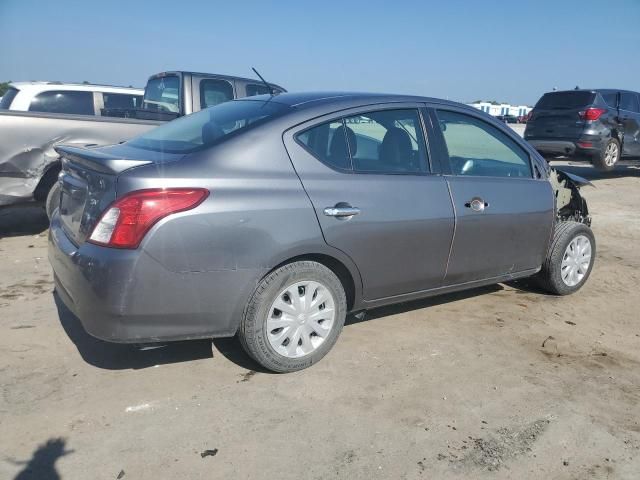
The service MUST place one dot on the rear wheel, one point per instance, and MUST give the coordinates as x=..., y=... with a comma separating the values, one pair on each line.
x=569, y=260
x=606, y=159
x=295, y=317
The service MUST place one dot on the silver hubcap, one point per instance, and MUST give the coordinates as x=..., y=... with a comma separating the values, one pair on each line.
x=300, y=319
x=576, y=261
x=611, y=154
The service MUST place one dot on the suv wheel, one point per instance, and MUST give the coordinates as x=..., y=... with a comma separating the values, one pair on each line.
x=569, y=260
x=606, y=160
x=294, y=317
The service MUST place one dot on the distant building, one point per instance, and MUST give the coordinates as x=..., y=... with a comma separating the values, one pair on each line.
x=496, y=109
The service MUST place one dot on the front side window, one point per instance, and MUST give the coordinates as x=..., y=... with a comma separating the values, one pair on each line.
x=214, y=92
x=162, y=94
x=208, y=127
x=629, y=102
x=477, y=148
x=63, y=101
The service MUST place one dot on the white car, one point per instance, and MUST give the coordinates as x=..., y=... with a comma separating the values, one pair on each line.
x=73, y=99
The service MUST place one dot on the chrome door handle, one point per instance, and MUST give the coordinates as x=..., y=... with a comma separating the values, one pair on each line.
x=477, y=204
x=341, y=212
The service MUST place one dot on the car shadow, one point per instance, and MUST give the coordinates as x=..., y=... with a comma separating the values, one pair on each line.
x=115, y=356
x=585, y=170
x=28, y=219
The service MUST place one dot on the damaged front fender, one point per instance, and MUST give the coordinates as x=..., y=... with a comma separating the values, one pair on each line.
x=570, y=204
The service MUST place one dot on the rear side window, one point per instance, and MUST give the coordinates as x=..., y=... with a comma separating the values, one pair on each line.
x=213, y=92
x=7, y=98
x=328, y=142
x=162, y=94
x=64, y=101
x=610, y=98
x=479, y=149
x=385, y=141
x=253, y=89
x=565, y=100
x=121, y=100
x=629, y=102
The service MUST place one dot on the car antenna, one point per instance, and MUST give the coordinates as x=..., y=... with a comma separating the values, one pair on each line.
x=264, y=81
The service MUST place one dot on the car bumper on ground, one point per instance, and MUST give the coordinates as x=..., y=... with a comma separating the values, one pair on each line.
x=126, y=296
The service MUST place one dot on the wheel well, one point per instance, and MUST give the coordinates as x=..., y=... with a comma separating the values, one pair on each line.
x=337, y=267
x=46, y=182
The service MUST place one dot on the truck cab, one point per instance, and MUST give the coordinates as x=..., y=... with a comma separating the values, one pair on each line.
x=169, y=95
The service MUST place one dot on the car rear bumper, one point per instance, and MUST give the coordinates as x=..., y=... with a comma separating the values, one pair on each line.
x=581, y=148
x=126, y=296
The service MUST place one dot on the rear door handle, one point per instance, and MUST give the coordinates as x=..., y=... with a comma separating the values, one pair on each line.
x=341, y=211
x=477, y=204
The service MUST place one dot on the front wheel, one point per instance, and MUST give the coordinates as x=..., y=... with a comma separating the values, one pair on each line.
x=294, y=317
x=569, y=259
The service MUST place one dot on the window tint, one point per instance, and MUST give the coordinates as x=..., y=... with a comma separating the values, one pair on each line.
x=121, y=100
x=214, y=92
x=162, y=94
x=387, y=141
x=565, y=100
x=477, y=148
x=7, y=98
x=78, y=103
x=328, y=142
x=629, y=102
x=253, y=89
x=610, y=98
x=208, y=127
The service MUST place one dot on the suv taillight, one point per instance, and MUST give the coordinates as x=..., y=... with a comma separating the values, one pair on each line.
x=591, y=113
x=127, y=220
x=529, y=115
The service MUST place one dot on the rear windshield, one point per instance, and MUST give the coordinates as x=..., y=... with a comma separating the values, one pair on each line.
x=208, y=127
x=565, y=100
x=163, y=94
x=7, y=98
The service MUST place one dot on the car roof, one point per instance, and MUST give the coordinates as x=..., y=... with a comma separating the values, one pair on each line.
x=593, y=90
x=305, y=100
x=215, y=75
x=35, y=87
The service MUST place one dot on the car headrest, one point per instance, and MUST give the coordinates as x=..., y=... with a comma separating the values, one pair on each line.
x=395, y=147
x=338, y=147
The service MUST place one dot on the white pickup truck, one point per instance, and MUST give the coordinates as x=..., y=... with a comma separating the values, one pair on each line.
x=35, y=117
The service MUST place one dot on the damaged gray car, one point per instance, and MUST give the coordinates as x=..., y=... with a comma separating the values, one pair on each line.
x=273, y=217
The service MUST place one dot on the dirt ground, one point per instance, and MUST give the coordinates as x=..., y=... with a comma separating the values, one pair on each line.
x=501, y=382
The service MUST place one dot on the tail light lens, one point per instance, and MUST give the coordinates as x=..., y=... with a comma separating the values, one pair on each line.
x=125, y=223
x=529, y=115
x=591, y=113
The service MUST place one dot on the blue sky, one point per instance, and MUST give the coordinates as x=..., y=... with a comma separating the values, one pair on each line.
x=462, y=50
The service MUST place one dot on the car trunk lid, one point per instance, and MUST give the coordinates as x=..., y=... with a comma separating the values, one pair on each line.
x=557, y=115
x=88, y=186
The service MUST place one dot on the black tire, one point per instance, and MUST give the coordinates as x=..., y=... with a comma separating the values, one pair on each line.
x=550, y=277
x=253, y=327
x=600, y=159
x=53, y=199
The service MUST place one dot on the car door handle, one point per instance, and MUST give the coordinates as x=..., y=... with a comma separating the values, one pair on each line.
x=477, y=204
x=341, y=211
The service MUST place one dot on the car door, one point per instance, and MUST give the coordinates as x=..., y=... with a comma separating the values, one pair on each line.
x=504, y=215
x=368, y=176
x=629, y=114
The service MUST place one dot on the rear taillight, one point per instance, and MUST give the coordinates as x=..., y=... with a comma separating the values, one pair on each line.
x=591, y=113
x=127, y=220
x=529, y=115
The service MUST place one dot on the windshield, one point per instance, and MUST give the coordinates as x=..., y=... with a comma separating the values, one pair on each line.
x=208, y=127
x=565, y=100
x=163, y=94
x=7, y=98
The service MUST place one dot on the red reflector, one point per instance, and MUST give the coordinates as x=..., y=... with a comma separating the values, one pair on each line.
x=136, y=212
x=585, y=144
x=591, y=113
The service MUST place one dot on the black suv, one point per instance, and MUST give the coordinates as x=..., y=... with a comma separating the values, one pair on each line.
x=600, y=126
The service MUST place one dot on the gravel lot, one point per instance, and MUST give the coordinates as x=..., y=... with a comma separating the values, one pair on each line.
x=501, y=382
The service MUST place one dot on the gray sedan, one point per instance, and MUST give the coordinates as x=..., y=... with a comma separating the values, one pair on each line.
x=275, y=216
